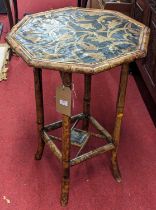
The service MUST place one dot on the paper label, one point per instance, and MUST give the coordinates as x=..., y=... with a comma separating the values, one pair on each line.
x=63, y=100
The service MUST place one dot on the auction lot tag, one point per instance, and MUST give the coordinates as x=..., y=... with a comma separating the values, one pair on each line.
x=63, y=100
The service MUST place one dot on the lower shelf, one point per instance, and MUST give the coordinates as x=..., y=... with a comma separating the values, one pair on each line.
x=79, y=138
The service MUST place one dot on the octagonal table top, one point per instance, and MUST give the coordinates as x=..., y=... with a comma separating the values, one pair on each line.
x=79, y=40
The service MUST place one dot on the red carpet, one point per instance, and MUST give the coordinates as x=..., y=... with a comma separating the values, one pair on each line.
x=35, y=185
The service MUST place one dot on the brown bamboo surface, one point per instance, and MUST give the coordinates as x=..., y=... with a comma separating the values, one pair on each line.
x=58, y=124
x=102, y=130
x=52, y=146
x=39, y=111
x=119, y=116
x=91, y=154
x=90, y=68
x=86, y=100
x=66, y=145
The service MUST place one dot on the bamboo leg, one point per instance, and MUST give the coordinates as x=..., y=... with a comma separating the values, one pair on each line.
x=118, y=121
x=39, y=111
x=84, y=3
x=86, y=100
x=79, y=3
x=11, y=20
x=67, y=81
x=9, y=13
x=15, y=11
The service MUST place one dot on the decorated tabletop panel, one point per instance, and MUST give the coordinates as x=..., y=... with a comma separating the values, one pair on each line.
x=74, y=39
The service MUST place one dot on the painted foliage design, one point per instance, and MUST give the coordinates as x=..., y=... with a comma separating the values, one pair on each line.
x=78, y=36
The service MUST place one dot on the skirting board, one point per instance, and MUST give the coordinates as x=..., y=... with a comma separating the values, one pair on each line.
x=4, y=57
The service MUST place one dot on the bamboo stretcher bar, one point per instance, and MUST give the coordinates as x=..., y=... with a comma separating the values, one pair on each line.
x=91, y=154
x=58, y=124
x=52, y=146
x=97, y=135
x=101, y=129
x=51, y=137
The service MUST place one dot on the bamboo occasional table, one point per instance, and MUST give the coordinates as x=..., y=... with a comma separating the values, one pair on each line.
x=74, y=40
